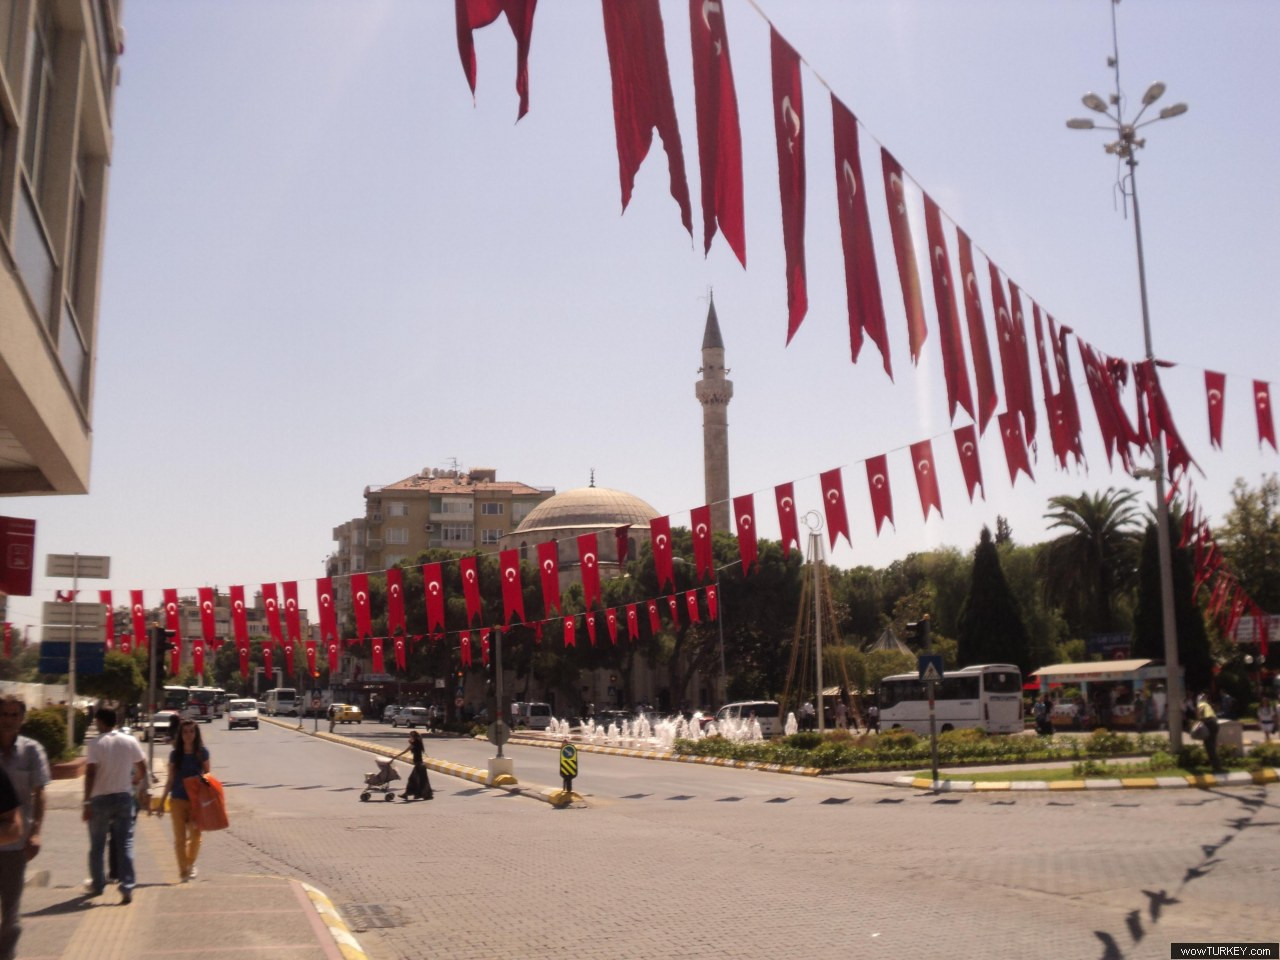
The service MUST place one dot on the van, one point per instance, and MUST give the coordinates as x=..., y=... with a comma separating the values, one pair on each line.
x=767, y=712
x=531, y=716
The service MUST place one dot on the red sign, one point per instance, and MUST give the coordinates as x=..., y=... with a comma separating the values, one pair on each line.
x=17, y=555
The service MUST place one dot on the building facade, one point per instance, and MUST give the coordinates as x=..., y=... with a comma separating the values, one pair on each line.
x=58, y=74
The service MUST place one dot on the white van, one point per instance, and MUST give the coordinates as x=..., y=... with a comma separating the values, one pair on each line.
x=767, y=712
x=531, y=716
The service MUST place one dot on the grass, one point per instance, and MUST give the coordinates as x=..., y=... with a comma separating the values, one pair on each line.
x=1058, y=774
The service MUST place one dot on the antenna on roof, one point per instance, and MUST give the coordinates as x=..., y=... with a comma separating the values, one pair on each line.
x=593, y=477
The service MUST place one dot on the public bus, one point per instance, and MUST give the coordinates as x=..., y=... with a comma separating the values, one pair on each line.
x=281, y=701
x=205, y=703
x=987, y=696
x=175, y=698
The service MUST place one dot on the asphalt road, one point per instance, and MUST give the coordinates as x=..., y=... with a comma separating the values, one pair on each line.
x=674, y=860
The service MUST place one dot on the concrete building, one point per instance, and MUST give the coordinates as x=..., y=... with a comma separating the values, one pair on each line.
x=714, y=392
x=58, y=74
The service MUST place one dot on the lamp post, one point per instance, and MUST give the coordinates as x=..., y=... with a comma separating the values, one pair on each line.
x=1125, y=147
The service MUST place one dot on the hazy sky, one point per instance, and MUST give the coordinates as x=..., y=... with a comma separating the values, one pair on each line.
x=327, y=268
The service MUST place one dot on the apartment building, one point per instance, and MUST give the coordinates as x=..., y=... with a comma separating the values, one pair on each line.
x=58, y=74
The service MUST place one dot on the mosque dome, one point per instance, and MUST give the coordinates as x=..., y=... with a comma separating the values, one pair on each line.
x=587, y=507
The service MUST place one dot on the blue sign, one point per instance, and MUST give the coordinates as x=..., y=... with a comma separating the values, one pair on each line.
x=930, y=665
x=55, y=657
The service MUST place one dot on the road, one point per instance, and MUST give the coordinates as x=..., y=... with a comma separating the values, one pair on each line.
x=675, y=860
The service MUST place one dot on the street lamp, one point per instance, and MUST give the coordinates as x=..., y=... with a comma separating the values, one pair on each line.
x=1125, y=147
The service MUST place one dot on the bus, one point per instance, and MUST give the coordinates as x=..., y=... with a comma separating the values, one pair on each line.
x=281, y=701
x=205, y=703
x=175, y=698
x=987, y=696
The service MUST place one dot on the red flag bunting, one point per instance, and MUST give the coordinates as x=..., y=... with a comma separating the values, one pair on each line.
x=719, y=138
x=589, y=566
x=239, y=616
x=703, y=560
x=1262, y=405
x=433, y=587
x=328, y=609
x=569, y=639
x=984, y=377
x=549, y=570
x=1019, y=361
x=861, y=279
x=464, y=647
x=788, y=127
x=954, y=369
x=833, y=503
x=1215, y=388
x=208, y=628
x=611, y=620
x=926, y=476
x=377, y=661
x=633, y=622
x=292, y=623
x=622, y=540
x=395, y=601
x=401, y=653
x=484, y=646
x=642, y=99
x=590, y=619
x=197, y=656
x=904, y=252
x=268, y=664
x=674, y=607
x=512, y=586
x=109, y=623
x=242, y=654
x=713, y=602
x=271, y=602
x=967, y=448
x=655, y=624
x=881, y=493
x=660, y=534
x=312, y=654
x=1015, y=447
x=173, y=623
x=691, y=603
x=788, y=521
x=744, y=518
x=138, y=612
x=360, y=603
x=471, y=588
x=474, y=14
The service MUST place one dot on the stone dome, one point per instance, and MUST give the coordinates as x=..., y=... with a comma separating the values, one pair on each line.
x=587, y=507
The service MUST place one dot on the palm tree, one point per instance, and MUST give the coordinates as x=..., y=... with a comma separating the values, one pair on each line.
x=1086, y=568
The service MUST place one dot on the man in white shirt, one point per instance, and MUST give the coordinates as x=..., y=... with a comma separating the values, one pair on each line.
x=117, y=769
x=27, y=767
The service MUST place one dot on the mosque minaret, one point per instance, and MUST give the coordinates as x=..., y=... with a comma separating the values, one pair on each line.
x=714, y=392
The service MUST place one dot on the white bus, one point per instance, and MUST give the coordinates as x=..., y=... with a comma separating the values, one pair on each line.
x=174, y=698
x=205, y=703
x=987, y=696
x=281, y=701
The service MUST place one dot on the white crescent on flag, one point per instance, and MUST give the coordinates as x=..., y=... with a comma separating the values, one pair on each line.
x=833, y=495
x=878, y=481
x=662, y=539
x=510, y=574
x=786, y=504
x=1215, y=395
x=850, y=181
x=589, y=560
x=745, y=521
x=923, y=467
x=967, y=448
x=471, y=576
x=790, y=116
x=361, y=597
x=171, y=608
x=701, y=530
x=709, y=6
x=548, y=566
x=940, y=257
x=207, y=606
x=434, y=587
x=895, y=184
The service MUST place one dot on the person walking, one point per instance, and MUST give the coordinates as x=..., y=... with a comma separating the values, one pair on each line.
x=1267, y=717
x=419, y=785
x=116, y=769
x=24, y=762
x=1206, y=715
x=842, y=716
x=189, y=758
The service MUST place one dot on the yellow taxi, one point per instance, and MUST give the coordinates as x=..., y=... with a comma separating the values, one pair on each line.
x=345, y=713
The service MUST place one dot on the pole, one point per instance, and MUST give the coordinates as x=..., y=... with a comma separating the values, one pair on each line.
x=498, y=708
x=815, y=547
x=933, y=716
x=157, y=637
x=722, y=694
x=1173, y=685
x=71, y=664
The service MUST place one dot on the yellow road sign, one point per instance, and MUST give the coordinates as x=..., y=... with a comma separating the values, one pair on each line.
x=568, y=760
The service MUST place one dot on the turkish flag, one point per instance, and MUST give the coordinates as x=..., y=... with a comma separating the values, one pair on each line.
x=292, y=623
x=395, y=601
x=239, y=618
x=1068, y=406
x=895, y=192
x=208, y=629
x=589, y=565
x=660, y=535
x=984, y=377
x=787, y=520
x=1021, y=364
x=569, y=640
x=474, y=14
x=954, y=369
x=268, y=666
x=197, y=656
x=744, y=517
x=967, y=447
x=611, y=620
x=172, y=621
x=633, y=623
x=926, y=476
x=1215, y=388
x=590, y=618
x=549, y=570
x=691, y=603
x=328, y=610
x=704, y=561
x=622, y=539
x=642, y=99
x=675, y=610
x=402, y=659
x=833, y=502
x=1262, y=405
x=332, y=649
x=464, y=647
x=433, y=587
x=512, y=587
x=471, y=588
x=713, y=603
x=788, y=128
x=655, y=624
x=861, y=279
x=139, y=614
x=719, y=138
x=311, y=655
x=1015, y=447
x=242, y=653
x=881, y=493
x=109, y=623
x=360, y=603
x=272, y=604
x=484, y=646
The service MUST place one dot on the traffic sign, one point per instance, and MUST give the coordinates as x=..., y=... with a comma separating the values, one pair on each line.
x=56, y=657
x=499, y=733
x=930, y=665
x=84, y=614
x=77, y=565
x=569, y=761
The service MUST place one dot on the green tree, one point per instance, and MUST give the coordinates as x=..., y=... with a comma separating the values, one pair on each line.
x=1087, y=568
x=991, y=628
x=121, y=679
x=1250, y=540
x=1148, y=622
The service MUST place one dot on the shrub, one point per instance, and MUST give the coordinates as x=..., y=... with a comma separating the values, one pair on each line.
x=1107, y=743
x=1192, y=755
x=1265, y=755
x=48, y=727
x=962, y=737
x=82, y=720
x=803, y=741
x=893, y=741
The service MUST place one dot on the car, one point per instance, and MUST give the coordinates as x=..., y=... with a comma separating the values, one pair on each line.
x=345, y=713
x=389, y=714
x=158, y=726
x=412, y=717
x=605, y=717
x=242, y=713
x=262, y=706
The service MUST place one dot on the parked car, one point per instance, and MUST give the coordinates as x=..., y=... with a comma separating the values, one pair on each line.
x=412, y=717
x=389, y=714
x=765, y=711
x=533, y=716
x=158, y=726
x=345, y=713
x=605, y=717
x=262, y=707
x=242, y=713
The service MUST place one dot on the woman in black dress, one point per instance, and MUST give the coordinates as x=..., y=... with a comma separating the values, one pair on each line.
x=418, y=785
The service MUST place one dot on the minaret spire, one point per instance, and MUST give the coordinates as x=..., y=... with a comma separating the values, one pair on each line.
x=714, y=392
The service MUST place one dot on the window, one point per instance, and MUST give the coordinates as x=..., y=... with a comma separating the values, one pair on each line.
x=490, y=536
x=456, y=505
x=36, y=120
x=491, y=509
x=1002, y=682
x=397, y=508
x=524, y=549
x=397, y=534
x=457, y=532
x=393, y=559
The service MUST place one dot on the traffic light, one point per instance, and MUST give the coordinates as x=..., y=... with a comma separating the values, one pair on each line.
x=918, y=631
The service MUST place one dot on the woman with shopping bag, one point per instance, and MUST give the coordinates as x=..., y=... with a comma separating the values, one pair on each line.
x=189, y=759
x=418, y=785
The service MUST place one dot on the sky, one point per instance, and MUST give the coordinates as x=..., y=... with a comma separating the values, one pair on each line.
x=328, y=267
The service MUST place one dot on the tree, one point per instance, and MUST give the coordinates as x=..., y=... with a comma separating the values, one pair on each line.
x=1148, y=622
x=1087, y=568
x=121, y=679
x=1250, y=540
x=991, y=628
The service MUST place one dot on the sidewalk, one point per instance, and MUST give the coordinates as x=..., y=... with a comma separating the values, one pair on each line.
x=214, y=917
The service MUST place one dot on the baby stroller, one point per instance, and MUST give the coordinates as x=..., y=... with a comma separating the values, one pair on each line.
x=381, y=781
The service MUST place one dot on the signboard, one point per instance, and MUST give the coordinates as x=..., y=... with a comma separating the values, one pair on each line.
x=1109, y=646
x=85, y=633
x=17, y=555
x=77, y=565
x=499, y=733
x=568, y=761
x=1247, y=629
x=55, y=657
x=930, y=665
x=62, y=614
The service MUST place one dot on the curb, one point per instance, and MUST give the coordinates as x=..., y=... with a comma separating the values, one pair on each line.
x=341, y=933
x=675, y=757
x=1199, y=781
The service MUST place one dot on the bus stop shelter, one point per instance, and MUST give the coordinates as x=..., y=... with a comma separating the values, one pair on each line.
x=1109, y=689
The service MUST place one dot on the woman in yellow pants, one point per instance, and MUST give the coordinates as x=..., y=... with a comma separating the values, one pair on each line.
x=189, y=758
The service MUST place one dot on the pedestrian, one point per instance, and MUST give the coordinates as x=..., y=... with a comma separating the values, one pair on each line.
x=807, y=715
x=842, y=716
x=189, y=758
x=419, y=784
x=1267, y=717
x=23, y=760
x=1206, y=715
x=115, y=772
x=873, y=719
